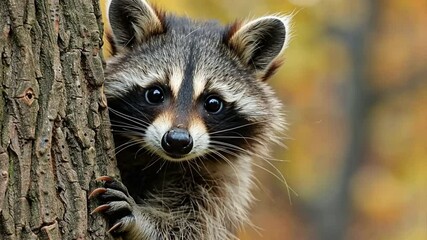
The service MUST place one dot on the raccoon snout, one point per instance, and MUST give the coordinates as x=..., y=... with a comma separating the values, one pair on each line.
x=177, y=141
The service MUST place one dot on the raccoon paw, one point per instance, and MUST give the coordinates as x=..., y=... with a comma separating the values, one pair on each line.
x=116, y=205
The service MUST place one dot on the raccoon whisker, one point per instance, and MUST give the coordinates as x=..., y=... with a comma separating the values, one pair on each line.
x=280, y=143
x=121, y=124
x=195, y=166
x=151, y=162
x=268, y=159
x=248, y=152
x=230, y=151
x=130, y=40
x=136, y=121
x=235, y=148
x=151, y=151
x=217, y=153
x=235, y=170
x=129, y=132
x=129, y=118
x=258, y=184
x=220, y=123
x=279, y=177
x=126, y=127
x=289, y=189
x=135, y=108
x=190, y=168
x=195, y=30
x=115, y=123
x=199, y=159
x=237, y=127
x=161, y=166
x=130, y=141
x=136, y=153
x=233, y=117
x=238, y=137
x=256, y=228
x=128, y=144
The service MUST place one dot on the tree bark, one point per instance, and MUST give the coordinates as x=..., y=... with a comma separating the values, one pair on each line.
x=54, y=129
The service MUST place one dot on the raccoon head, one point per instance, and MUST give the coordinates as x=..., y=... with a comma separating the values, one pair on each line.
x=182, y=90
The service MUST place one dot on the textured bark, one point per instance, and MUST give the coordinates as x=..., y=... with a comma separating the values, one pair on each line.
x=54, y=137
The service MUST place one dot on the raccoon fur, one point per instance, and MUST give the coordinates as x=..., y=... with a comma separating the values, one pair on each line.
x=190, y=111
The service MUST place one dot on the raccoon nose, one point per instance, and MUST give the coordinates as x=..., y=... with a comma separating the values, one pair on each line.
x=177, y=141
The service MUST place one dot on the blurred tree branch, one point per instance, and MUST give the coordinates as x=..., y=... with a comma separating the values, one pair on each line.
x=331, y=211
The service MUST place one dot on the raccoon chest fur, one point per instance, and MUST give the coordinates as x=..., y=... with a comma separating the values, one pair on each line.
x=191, y=112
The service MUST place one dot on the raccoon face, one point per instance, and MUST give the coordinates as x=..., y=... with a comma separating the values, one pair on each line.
x=185, y=90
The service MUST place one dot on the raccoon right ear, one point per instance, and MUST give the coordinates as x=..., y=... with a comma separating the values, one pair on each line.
x=133, y=21
x=259, y=42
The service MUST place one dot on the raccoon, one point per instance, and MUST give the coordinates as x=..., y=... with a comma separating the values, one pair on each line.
x=190, y=111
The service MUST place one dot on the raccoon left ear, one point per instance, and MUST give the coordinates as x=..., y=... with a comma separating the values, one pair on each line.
x=259, y=42
x=133, y=21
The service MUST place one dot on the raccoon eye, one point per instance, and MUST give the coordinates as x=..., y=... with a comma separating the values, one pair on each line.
x=154, y=95
x=213, y=104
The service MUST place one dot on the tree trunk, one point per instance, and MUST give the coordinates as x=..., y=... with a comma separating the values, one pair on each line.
x=53, y=120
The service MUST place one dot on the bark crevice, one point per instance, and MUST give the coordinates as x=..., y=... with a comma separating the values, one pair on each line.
x=54, y=139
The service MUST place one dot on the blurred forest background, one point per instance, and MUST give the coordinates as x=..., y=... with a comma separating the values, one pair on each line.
x=354, y=83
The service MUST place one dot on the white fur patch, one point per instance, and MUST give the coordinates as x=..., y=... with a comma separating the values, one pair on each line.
x=199, y=83
x=155, y=132
x=118, y=84
x=200, y=137
x=175, y=81
x=225, y=91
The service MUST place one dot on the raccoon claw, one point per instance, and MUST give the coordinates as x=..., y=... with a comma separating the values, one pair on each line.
x=100, y=209
x=114, y=227
x=96, y=192
x=105, y=178
x=109, y=182
x=116, y=205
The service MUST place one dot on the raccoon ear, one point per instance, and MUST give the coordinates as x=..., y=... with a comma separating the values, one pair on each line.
x=133, y=21
x=259, y=42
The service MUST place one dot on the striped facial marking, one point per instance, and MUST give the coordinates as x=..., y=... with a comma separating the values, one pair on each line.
x=180, y=121
x=184, y=101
